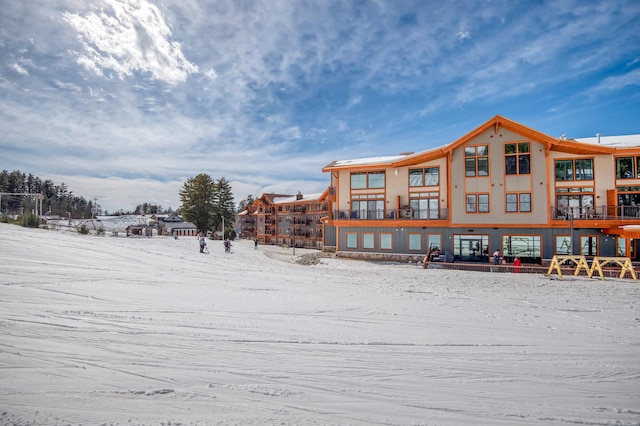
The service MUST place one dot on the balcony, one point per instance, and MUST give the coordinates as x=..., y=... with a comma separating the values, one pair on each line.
x=614, y=213
x=391, y=214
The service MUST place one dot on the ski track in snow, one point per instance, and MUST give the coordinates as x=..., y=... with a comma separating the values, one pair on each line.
x=138, y=331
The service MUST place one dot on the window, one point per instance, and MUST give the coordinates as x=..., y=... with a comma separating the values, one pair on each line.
x=429, y=176
x=525, y=202
x=483, y=203
x=564, y=170
x=624, y=168
x=470, y=247
x=518, y=202
x=563, y=245
x=367, y=206
x=435, y=242
x=574, y=201
x=385, y=241
x=584, y=169
x=581, y=169
x=368, y=240
x=629, y=201
x=622, y=247
x=472, y=203
x=589, y=245
x=425, y=205
x=517, y=158
x=367, y=180
x=477, y=203
x=526, y=247
x=476, y=162
x=415, y=242
x=352, y=240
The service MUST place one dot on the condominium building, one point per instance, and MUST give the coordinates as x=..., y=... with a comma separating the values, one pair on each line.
x=290, y=219
x=501, y=186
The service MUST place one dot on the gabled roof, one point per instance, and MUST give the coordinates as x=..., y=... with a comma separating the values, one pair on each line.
x=606, y=145
x=269, y=198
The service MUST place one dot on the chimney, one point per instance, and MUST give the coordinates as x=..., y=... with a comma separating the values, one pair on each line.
x=299, y=196
x=598, y=136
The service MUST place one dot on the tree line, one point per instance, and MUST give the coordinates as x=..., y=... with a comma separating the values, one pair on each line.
x=58, y=199
x=207, y=203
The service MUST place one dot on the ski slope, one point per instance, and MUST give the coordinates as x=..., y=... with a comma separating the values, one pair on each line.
x=148, y=331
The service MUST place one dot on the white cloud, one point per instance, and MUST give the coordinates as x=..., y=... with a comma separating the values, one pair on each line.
x=463, y=35
x=618, y=82
x=17, y=68
x=130, y=36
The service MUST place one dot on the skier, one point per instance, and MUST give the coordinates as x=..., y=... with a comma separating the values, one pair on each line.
x=203, y=244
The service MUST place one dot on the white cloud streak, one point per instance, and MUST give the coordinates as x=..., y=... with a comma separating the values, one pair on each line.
x=130, y=36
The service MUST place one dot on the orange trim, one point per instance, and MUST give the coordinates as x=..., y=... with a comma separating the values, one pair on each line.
x=621, y=232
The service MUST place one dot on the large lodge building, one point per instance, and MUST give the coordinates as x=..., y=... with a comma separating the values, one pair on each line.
x=502, y=186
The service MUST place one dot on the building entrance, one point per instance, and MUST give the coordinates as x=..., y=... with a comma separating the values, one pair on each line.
x=471, y=248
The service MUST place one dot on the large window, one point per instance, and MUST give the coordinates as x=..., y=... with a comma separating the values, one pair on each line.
x=629, y=201
x=580, y=169
x=477, y=203
x=476, y=161
x=367, y=206
x=526, y=247
x=425, y=205
x=624, y=168
x=471, y=247
x=518, y=202
x=517, y=158
x=577, y=202
x=367, y=180
x=429, y=176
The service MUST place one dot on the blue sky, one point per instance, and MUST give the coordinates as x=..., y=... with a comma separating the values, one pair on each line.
x=125, y=100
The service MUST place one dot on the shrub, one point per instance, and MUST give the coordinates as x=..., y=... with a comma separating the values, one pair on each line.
x=82, y=229
x=28, y=220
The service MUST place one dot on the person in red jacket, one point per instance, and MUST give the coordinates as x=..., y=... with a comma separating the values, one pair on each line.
x=516, y=265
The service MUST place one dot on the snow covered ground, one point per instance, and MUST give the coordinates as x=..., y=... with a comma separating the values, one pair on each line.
x=148, y=331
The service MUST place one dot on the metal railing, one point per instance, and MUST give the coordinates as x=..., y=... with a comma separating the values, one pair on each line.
x=596, y=213
x=391, y=214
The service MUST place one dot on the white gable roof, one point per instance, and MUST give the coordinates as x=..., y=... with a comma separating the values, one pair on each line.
x=623, y=141
x=293, y=198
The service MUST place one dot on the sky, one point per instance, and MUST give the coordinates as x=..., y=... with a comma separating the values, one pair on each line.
x=124, y=100
x=148, y=331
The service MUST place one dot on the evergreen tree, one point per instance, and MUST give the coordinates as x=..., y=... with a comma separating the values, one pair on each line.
x=246, y=202
x=225, y=206
x=199, y=200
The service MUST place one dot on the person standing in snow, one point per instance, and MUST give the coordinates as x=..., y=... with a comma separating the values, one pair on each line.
x=203, y=244
x=496, y=257
x=255, y=244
